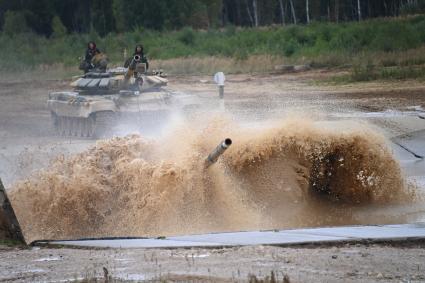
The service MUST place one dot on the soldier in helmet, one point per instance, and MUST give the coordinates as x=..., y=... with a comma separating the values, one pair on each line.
x=91, y=53
x=138, y=51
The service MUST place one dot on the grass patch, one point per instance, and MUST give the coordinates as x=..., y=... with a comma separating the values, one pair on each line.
x=320, y=44
x=177, y=66
x=210, y=65
x=370, y=72
x=40, y=73
x=402, y=73
x=395, y=65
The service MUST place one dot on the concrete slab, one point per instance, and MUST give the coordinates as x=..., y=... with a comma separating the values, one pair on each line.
x=133, y=243
x=284, y=237
x=368, y=232
x=259, y=238
x=414, y=141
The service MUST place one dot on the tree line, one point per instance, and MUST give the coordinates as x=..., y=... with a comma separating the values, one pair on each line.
x=56, y=17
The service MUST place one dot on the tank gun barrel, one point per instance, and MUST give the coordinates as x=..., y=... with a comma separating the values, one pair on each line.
x=217, y=152
x=136, y=59
x=132, y=67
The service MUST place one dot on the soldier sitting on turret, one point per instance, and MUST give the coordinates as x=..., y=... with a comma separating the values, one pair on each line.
x=94, y=59
x=138, y=51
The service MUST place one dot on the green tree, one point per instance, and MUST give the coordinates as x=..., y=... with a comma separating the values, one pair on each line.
x=105, y=16
x=214, y=9
x=118, y=8
x=199, y=15
x=102, y=16
x=15, y=22
x=59, y=30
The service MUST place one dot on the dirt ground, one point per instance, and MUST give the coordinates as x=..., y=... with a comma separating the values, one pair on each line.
x=344, y=263
x=27, y=143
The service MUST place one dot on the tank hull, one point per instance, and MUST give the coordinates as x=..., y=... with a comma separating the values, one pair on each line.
x=106, y=97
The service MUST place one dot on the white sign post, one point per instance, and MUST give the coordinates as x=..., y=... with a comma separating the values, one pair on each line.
x=219, y=79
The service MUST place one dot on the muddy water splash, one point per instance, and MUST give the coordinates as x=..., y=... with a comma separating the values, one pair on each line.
x=293, y=174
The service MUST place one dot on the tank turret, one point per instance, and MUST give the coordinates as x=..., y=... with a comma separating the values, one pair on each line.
x=96, y=93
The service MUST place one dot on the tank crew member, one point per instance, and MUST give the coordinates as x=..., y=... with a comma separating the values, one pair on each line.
x=138, y=51
x=91, y=52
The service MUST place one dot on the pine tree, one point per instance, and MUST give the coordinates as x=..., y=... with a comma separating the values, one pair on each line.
x=59, y=30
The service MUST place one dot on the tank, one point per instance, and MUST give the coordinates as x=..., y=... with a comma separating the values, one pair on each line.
x=98, y=98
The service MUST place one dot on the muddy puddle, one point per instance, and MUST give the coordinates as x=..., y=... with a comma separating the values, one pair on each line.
x=292, y=173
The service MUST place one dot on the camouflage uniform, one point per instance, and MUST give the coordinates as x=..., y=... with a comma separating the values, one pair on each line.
x=143, y=58
x=87, y=64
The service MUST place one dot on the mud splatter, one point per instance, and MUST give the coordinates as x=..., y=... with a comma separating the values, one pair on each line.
x=295, y=173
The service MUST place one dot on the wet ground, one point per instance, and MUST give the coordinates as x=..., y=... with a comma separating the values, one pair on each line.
x=27, y=143
x=341, y=263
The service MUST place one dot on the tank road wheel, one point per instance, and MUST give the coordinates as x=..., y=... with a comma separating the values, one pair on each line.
x=61, y=125
x=55, y=120
x=85, y=128
x=81, y=127
x=58, y=125
x=75, y=126
x=64, y=126
x=92, y=124
x=72, y=126
x=68, y=126
x=88, y=126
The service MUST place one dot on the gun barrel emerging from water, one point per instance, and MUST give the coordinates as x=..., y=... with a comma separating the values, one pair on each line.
x=217, y=152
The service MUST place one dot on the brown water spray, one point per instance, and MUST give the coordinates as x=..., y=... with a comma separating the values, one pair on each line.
x=288, y=175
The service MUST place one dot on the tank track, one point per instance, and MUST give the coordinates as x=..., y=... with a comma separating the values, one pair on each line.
x=75, y=126
x=97, y=125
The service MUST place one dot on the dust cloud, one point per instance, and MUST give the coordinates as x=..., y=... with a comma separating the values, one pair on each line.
x=293, y=173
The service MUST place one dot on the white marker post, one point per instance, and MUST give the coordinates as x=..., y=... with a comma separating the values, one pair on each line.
x=219, y=79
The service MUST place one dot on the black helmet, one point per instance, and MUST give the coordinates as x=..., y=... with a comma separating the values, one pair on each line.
x=137, y=47
x=91, y=43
